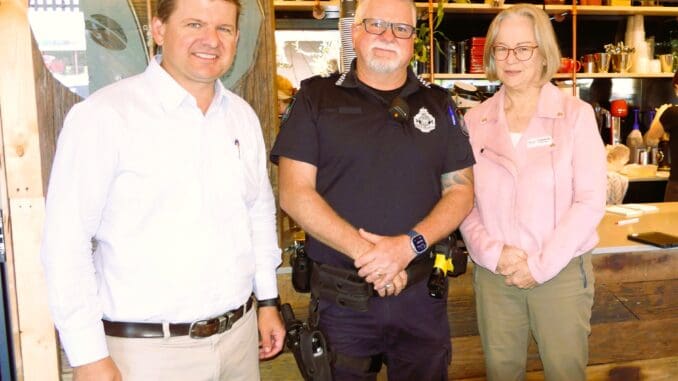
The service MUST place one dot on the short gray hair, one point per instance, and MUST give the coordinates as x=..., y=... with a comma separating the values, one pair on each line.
x=362, y=4
x=543, y=32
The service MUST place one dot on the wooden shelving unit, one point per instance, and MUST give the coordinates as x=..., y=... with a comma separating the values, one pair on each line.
x=481, y=8
x=301, y=5
x=563, y=75
x=581, y=9
x=307, y=5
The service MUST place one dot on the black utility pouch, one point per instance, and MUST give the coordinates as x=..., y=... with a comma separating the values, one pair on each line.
x=342, y=286
x=458, y=254
x=301, y=269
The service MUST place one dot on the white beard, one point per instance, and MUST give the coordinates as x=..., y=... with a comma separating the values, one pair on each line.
x=381, y=64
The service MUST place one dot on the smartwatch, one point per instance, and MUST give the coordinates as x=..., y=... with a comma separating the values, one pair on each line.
x=417, y=242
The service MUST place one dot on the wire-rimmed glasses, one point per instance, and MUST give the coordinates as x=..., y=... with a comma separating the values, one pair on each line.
x=522, y=53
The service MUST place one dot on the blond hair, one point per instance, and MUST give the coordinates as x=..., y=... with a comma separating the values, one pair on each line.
x=543, y=33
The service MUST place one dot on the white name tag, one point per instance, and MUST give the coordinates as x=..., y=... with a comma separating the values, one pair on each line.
x=541, y=141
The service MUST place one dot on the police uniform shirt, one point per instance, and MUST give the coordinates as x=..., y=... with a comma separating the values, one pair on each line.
x=377, y=173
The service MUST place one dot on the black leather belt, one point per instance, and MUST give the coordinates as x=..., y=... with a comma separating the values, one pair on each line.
x=198, y=329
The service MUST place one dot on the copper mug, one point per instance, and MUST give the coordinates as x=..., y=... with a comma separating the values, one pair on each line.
x=567, y=65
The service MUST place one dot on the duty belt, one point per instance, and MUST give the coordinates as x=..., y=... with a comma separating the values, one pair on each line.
x=346, y=288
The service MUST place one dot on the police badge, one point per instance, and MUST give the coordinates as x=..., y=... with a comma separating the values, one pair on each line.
x=424, y=121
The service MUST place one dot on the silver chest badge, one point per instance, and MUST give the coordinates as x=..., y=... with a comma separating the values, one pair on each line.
x=424, y=121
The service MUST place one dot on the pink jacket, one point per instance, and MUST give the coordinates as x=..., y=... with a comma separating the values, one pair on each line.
x=546, y=195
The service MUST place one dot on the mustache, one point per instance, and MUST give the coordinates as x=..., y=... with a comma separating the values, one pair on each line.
x=386, y=46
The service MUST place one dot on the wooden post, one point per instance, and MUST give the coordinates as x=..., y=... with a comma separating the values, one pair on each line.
x=258, y=86
x=22, y=190
x=574, y=47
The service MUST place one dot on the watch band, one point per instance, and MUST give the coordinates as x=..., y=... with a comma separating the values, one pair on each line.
x=417, y=242
x=273, y=302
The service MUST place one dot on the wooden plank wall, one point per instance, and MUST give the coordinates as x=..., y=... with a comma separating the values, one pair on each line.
x=634, y=323
x=22, y=190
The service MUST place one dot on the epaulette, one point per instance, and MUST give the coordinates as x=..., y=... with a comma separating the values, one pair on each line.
x=424, y=82
x=341, y=78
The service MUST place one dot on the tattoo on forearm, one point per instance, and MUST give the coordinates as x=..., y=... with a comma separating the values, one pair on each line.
x=460, y=177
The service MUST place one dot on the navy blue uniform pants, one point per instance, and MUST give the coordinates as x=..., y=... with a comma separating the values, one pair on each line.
x=410, y=331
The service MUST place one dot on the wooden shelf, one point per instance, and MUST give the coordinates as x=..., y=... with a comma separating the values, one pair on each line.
x=581, y=9
x=561, y=75
x=617, y=75
x=307, y=5
x=301, y=5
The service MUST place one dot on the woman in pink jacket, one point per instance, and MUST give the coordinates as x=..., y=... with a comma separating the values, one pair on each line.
x=540, y=183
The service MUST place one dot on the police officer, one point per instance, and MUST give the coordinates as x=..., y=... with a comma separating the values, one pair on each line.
x=374, y=189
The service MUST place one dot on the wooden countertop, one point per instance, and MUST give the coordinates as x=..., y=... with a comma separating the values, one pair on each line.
x=660, y=176
x=613, y=236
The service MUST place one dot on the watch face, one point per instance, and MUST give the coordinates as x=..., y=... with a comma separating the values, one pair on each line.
x=419, y=243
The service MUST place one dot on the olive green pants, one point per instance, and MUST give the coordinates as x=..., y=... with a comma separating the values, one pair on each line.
x=557, y=313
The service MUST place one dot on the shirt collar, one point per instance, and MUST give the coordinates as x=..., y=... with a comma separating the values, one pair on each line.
x=550, y=104
x=170, y=93
x=349, y=79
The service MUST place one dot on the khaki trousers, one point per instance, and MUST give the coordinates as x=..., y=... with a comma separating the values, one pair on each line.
x=557, y=313
x=232, y=355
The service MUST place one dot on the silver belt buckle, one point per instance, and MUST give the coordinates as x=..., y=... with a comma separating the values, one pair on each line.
x=226, y=322
x=190, y=329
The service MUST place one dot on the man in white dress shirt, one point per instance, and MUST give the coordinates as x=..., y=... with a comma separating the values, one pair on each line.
x=160, y=217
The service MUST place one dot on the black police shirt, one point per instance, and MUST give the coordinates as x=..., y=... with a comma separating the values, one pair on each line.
x=377, y=173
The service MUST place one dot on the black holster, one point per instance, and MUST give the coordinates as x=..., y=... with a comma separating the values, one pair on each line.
x=301, y=269
x=310, y=350
x=459, y=255
x=308, y=346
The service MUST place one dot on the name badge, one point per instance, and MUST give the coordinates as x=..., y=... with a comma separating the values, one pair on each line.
x=541, y=141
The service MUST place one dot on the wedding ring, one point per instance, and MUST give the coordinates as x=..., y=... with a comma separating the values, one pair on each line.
x=389, y=285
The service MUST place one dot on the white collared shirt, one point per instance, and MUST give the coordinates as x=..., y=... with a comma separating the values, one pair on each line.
x=178, y=202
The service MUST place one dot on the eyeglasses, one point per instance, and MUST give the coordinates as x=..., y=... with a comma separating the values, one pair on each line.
x=522, y=53
x=378, y=27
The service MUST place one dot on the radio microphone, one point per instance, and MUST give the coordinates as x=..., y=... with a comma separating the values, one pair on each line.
x=399, y=110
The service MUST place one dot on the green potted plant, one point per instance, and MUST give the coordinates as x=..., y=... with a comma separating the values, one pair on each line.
x=422, y=36
x=421, y=54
